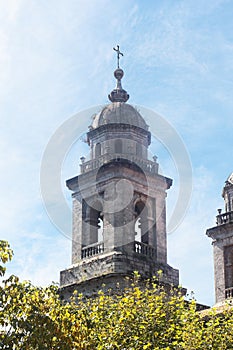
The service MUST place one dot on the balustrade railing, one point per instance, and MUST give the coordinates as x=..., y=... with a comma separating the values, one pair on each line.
x=144, y=249
x=98, y=248
x=92, y=249
x=144, y=164
x=224, y=218
x=229, y=293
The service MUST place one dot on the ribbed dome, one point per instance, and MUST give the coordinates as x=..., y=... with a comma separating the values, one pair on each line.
x=119, y=112
x=230, y=179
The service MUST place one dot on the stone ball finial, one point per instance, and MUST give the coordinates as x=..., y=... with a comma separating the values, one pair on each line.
x=118, y=74
x=118, y=94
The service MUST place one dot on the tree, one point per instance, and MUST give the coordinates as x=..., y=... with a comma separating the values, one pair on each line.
x=145, y=317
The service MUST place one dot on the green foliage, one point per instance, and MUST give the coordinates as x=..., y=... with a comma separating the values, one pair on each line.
x=5, y=255
x=34, y=318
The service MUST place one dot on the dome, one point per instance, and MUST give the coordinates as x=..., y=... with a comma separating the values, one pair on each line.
x=119, y=112
x=230, y=179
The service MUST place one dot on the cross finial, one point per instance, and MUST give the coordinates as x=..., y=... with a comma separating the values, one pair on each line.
x=118, y=54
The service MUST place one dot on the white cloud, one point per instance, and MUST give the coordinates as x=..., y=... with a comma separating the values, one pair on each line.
x=47, y=256
x=10, y=9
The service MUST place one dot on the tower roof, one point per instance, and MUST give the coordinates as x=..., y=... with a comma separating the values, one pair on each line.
x=230, y=179
x=228, y=185
x=119, y=112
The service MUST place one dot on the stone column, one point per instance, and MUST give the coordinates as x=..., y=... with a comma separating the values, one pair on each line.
x=219, y=271
x=161, y=228
x=77, y=230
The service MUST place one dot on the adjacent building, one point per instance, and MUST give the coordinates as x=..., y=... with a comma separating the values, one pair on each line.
x=222, y=236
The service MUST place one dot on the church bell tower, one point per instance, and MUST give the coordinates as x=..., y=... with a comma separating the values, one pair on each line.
x=222, y=236
x=119, y=203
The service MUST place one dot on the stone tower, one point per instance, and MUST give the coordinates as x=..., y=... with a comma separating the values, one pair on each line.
x=222, y=235
x=119, y=209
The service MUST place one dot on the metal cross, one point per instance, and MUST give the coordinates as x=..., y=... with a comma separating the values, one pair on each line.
x=118, y=55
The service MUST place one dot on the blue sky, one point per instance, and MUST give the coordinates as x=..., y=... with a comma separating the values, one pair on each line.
x=56, y=60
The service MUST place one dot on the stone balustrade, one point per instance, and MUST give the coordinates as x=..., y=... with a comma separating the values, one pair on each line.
x=98, y=248
x=229, y=293
x=144, y=164
x=92, y=249
x=144, y=249
x=224, y=218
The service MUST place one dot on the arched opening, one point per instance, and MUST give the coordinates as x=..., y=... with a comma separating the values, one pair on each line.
x=118, y=146
x=94, y=218
x=228, y=264
x=141, y=223
x=97, y=150
x=92, y=237
x=138, y=231
x=100, y=228
x=138, y=149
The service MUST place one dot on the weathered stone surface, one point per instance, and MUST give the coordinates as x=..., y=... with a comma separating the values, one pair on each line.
x=112, y=268
x=120, y=190
x=222, y=235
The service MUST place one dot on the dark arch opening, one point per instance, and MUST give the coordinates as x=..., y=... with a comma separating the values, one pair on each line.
x=138, y=149
x=94, y=217
x=97, y=150
x=118, y=146
x=141, y=222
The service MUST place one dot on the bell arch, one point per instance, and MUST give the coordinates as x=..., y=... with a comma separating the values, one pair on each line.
x=97, y=150
x=94, y=219
x=138, y=149
x=118, y=146
x=141, y=221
